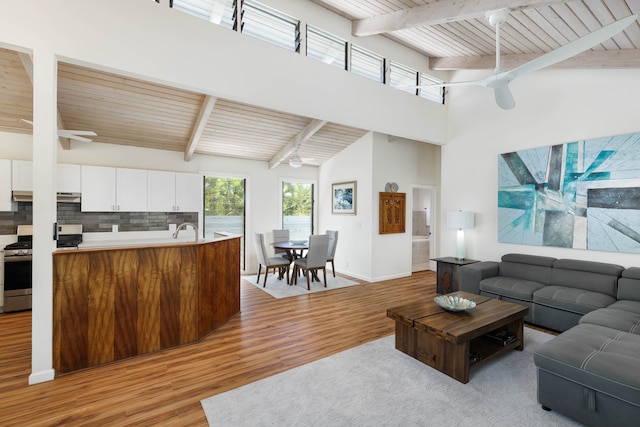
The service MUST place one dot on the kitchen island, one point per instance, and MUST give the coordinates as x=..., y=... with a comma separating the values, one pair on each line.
x=116, y=302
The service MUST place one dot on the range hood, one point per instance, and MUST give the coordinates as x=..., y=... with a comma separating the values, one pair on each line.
x=27, y=196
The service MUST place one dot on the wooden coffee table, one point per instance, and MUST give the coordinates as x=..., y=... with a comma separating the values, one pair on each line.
x=446, y=340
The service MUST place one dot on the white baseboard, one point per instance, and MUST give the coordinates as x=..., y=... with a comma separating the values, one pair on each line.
x=41, y=377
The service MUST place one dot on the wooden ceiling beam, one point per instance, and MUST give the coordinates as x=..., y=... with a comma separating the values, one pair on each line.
x=624, y=58
x=205, y=112
x=314, y=126
x=439, y=12
x=27, y=63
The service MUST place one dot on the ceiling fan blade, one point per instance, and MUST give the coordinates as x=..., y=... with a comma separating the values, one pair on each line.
x=504, y=98
x=571, y=49
x=78, y=132
x=74, y=136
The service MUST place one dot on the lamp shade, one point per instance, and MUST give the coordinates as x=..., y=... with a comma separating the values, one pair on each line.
x=460, y=220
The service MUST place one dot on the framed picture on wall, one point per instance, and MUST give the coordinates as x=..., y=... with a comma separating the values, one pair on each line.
x=343, y=195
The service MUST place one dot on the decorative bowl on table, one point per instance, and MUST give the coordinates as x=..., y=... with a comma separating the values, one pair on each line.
x=453, y=303
x=298, y=242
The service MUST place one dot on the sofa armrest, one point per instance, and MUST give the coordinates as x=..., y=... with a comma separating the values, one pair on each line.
x=472, y=274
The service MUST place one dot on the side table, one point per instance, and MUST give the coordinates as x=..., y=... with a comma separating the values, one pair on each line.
x=449, y=273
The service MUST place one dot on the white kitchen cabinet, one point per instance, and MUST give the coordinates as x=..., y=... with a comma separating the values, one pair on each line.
x=22, y=175
x=106, y=189
x=68, y=178
x=6, y=203
x=131, y=190
x=161, y=191
x=98, y=189
x=174, y=192
x=189, y=194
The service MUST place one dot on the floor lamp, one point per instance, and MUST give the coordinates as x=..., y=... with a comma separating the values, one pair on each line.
x=460, y=220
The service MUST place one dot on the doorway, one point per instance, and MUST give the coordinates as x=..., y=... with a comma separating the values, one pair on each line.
x=422, y=218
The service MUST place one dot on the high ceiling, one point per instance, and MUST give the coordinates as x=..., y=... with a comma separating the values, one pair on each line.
x=453, y=34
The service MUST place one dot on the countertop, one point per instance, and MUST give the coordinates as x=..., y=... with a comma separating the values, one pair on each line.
x=142, y=241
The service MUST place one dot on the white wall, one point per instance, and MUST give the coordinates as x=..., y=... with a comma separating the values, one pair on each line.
x=353, y=253
x=406, y=163
x=374, y=161
x=552, y=107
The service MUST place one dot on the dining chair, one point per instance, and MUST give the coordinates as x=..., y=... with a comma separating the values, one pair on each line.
x=276, y=263
x=331, y=252
x=315, y=260
x=282, y=236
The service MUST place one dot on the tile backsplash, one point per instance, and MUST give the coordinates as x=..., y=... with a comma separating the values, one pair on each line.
x=69, y=213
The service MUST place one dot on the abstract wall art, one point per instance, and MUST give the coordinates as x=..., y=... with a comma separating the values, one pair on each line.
x=582, y=195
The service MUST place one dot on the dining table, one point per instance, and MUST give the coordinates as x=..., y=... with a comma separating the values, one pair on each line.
x=295, y=249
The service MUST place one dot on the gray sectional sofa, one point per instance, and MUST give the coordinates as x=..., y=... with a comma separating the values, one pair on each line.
x=591, y=371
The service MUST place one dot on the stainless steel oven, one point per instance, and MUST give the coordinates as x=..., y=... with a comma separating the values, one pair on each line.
x=17, y=271
x=18, y=263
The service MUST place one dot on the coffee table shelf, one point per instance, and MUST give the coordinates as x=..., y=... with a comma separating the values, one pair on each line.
x=444, y=340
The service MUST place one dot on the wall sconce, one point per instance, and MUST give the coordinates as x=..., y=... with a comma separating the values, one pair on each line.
x=460, y=220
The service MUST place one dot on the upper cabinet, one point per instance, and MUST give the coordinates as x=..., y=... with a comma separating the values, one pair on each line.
x=189, y=195
x=22, y=175
x=67, y=177
x=106, y=189
x=174, y=192
x=6, y=203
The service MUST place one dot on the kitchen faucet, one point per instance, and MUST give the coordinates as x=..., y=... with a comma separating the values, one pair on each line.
x=183, y=225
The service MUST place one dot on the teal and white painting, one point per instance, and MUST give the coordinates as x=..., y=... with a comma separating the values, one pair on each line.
x=583, y=195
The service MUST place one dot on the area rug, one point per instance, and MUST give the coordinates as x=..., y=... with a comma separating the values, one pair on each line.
x=280, y=289
x=376, y=385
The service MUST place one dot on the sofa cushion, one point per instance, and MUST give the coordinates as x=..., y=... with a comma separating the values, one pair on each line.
x=626, y=305
x=620, y=320
x=571, y=299
x=588, y=275
x=600, y=358
x=526, y=267
x=629, y=284
x=510, y=287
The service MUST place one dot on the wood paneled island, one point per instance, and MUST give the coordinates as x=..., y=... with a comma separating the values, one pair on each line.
x=117, y=302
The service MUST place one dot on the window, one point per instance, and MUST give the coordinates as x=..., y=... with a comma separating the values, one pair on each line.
x=403, y=78
x=367, y=64
x=270, y=25
x=297, y=209
x=327, y=48
x=224, y=201
x=433, y=93
x=221, y=12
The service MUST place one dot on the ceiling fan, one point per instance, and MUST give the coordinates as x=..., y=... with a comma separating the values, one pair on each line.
x=78, y=135
x=296, y=161
x=499, y=80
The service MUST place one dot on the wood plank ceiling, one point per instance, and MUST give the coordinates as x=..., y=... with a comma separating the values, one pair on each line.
x=127, y=111
x=453, y=34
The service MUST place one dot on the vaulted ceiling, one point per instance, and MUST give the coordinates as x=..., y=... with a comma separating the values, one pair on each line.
x=456, y=35
x=453, y=34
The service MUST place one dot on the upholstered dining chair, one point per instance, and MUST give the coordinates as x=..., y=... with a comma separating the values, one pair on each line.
x=331, y=252
x=281, y=236
x=276, y=263
x=315, y=260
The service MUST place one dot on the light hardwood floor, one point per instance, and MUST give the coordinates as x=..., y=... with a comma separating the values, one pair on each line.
x=268, y=336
